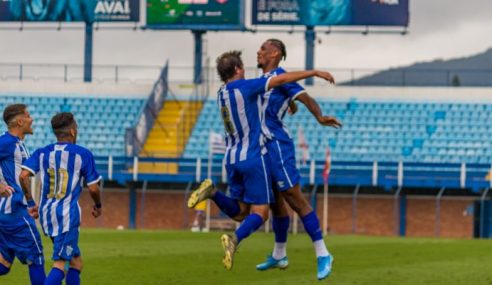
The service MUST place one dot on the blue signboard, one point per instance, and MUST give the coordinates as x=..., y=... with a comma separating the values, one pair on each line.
x=70, y=10
x=331, y=12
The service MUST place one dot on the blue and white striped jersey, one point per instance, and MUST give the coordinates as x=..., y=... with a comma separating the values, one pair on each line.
x=275, y=105
x=240, y=104
x=12, y=154
x=62, y=168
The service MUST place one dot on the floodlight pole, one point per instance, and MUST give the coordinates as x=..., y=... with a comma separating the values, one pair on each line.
x=197, y=34
x=88, y=52
x=310, y=36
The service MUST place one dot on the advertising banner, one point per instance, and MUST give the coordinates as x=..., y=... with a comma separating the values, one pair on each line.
x=70, y=10
x=331, y=12
x=191, y=14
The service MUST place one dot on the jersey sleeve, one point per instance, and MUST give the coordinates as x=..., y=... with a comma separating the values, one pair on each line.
x=257, y=86
x=89, y=171
x=291, y=90
x=32, y=163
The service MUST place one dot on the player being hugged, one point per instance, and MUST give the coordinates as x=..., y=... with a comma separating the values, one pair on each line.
x=249, y=178
x=285, y=175
x=63, y=166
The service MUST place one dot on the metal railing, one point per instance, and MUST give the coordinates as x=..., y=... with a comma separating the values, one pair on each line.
x=395, y=176
x=135, y=74
x=136, y=136
x=382, y=174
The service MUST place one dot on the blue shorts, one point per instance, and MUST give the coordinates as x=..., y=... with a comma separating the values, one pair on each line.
x=19, y=237
x=66, y=245
x=250, y=181
x=282, y=165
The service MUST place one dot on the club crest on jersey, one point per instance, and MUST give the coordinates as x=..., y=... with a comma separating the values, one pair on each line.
x=69, y=250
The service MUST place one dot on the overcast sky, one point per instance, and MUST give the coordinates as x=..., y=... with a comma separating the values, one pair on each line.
x=438, y=29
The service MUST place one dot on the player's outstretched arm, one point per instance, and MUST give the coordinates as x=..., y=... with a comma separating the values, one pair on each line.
x=25, y=181
x=298, y=75
x=96, y=197
x=315, y=109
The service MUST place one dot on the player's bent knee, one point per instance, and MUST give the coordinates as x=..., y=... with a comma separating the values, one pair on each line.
x=240, y=217
x=78, y=268
x=59, y=264
x=4, y=269
x=76, y=263
x=297, y=201
x=265, y=216
x=280, y=210
x=244, y=212
x=262, y=211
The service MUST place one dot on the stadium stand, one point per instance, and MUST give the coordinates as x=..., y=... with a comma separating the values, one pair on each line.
x=381, y=131
x=101, y=121
x=169, y=134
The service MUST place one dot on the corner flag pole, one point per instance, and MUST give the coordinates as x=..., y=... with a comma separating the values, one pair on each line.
x=209, y=176
x=325, y=209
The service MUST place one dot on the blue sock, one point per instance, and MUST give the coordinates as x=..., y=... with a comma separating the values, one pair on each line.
x=281, y=228
x=55, y=277
x=73, y=277
x=250, y=225
x=36, y=274
x=311, y=225
x=226, y=204
x=4, y=270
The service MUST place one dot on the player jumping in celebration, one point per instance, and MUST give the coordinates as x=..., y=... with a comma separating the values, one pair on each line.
x=18, y=233
x=239, y=101
x=62, y=166
x=282, y=156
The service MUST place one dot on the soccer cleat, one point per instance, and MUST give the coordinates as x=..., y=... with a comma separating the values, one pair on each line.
x=203, y=192
x=324, y=266
x=229, y=246
x=272, y=263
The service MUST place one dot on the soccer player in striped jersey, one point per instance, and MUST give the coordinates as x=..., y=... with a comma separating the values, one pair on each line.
x=239, y=102
x=281, y=150
x=63, y=168
x=18, y=233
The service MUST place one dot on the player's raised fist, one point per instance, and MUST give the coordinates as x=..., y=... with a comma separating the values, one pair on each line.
x=33, y=211
x=329, y=121
x=96, y=212
x=326, y=76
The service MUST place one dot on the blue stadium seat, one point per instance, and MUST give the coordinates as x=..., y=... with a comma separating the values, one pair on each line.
x=102, y=135
x=415, y=132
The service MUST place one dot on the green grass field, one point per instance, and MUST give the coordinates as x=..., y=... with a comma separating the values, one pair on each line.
x=165, y=257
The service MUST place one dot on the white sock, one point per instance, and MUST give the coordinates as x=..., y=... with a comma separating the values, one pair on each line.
x=279, y=250
x=320, y=248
